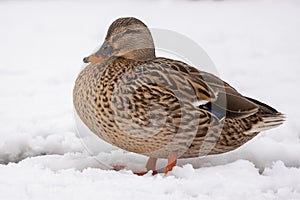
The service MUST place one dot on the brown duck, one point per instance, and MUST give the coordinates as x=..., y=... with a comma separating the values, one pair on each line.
x=159, y=107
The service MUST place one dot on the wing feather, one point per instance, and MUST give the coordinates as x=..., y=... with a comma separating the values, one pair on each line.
x=210, y=88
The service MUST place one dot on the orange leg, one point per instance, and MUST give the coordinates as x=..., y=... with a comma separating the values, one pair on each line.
x=151, y=165
x=172, y=160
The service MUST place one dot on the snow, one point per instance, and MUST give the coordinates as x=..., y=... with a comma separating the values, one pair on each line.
x=237, y=180
x=254, y=45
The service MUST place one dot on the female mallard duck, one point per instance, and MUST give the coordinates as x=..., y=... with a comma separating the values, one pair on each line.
x=160, y=107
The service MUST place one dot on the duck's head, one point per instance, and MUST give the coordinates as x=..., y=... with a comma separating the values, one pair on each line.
x=128, y=38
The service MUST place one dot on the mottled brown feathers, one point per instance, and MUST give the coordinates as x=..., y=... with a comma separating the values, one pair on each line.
x=156, y=106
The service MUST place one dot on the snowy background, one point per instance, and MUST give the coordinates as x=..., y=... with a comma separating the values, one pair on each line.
x=255, y=45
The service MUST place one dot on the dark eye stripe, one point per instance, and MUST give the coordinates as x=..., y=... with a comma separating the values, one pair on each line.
x=105, y=50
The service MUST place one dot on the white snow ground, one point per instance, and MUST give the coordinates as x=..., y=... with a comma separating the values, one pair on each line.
x=255, y=45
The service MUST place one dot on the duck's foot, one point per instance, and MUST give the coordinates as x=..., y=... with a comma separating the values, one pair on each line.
x=150, y=166
x=172, y=160
x=118, y=167
x=143, y=173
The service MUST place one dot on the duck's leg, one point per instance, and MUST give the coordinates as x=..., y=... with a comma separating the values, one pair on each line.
x=172, y=160
x=151, y=165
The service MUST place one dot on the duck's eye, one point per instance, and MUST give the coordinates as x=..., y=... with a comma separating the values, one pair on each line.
x=107, y=50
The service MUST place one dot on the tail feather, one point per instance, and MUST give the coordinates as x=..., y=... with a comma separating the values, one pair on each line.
x=271, y=118
x=267, y=123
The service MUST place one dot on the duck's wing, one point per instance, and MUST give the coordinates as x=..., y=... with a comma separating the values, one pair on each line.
x=212, y=89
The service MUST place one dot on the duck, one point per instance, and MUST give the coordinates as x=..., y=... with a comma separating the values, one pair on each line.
x=159, y=107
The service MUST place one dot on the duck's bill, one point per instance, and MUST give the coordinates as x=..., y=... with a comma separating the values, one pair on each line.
x=93, y=59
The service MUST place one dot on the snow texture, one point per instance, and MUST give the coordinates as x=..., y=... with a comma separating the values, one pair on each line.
x=254, y=44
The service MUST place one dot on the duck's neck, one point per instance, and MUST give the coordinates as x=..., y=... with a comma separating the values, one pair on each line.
x=141, y=54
